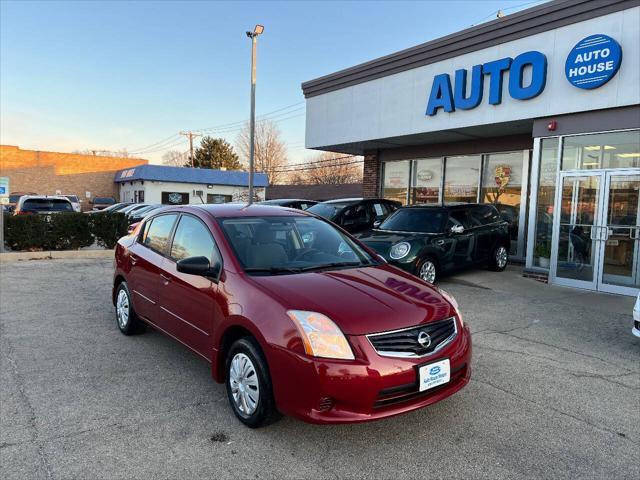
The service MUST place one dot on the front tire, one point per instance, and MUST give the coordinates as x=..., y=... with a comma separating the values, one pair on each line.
x=428, y=270
x=128, y=322
x=249, y=385
x=499, y=259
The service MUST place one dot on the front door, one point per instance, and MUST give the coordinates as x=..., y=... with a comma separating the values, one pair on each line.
x=597, y=231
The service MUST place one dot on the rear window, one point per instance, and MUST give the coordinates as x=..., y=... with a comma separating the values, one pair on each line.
x=484, y=215
x=47, y=205
x=73, y=198
x=104, y=200
x=156, y=234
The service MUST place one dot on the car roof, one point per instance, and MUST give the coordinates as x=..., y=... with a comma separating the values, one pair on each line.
x=43, y=197
x=284, y=200
x=227, y=210
x=449, y=206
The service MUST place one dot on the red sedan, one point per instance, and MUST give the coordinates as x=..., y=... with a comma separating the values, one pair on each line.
x=292, y=313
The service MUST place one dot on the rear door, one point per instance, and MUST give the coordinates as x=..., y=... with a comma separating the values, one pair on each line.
x=189, y=303
x=145, y=257
x=463, y=243
x=487, y=222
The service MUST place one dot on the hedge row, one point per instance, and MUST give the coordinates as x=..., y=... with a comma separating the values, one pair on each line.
x=64, y=231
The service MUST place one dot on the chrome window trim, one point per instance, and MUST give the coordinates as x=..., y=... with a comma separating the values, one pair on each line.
x=393, y=354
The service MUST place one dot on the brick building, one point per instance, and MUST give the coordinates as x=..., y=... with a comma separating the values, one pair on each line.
x=50, y=173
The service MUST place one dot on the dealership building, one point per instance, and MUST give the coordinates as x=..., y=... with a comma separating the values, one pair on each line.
x=537, y=112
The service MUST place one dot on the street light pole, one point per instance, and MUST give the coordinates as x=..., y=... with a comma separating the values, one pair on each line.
x=252, y=121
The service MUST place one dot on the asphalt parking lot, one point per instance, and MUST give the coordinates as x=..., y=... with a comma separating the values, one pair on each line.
x=555, y=393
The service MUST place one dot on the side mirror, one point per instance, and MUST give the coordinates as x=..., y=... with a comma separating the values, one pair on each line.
x=377, y=223
x=199, y=266
x=457, y=229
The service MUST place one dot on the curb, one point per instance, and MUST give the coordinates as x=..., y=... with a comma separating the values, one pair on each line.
x=11, y=257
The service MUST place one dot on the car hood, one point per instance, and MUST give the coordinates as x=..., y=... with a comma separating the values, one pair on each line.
x=360, y=300
x=382, y=240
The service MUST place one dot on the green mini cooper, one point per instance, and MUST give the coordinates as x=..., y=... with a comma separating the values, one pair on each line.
x=428, y=241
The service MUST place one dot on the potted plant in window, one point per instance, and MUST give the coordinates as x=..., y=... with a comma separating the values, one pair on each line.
x=543, y=253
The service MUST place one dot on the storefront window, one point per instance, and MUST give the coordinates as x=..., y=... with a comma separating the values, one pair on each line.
x=396, y=181
x=461, y=179
x=502, y=186
x=546, y=199
x=602, y=150
x=426, y=181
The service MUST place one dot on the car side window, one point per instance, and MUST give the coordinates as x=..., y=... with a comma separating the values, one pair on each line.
x=484, y=215
x=156, y=236
x=356, y=214
x=192, y=239
x=460, y=217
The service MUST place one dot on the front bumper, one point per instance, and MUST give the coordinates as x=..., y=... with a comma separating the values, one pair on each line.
x=368, y=388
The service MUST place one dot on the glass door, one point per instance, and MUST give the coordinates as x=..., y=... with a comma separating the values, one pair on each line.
x=577, y=231
x=620, y=245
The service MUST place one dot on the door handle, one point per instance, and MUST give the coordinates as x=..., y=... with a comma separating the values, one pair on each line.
x=166, y=278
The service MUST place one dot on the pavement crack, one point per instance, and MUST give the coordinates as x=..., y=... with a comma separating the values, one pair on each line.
x=558, y=411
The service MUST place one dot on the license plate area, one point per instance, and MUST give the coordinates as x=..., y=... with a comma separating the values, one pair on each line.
x=434, y=374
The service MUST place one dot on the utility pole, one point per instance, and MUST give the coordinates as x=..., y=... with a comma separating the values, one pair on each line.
x=191, y=136
x=254, y=43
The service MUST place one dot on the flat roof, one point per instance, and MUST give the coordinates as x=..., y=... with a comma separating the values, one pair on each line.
x=162, y=173
x=524, y=23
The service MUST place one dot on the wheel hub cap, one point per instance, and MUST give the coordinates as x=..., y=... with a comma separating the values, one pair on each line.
x=122, y=308
x=428, y=271
x=501, y=257
x=243, y=379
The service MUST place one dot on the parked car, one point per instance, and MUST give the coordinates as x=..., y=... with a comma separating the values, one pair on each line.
x=75, y=202
x=116, y=207
x=290, y=203
x=43, y=204
x=355, y=214
x=13, y=200
x=428, y=241
x=137, y=215
x=636, y=318
x=293, y=314
x=100, y=203
x=133, y=207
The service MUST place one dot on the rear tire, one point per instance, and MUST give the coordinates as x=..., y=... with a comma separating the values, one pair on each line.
x=128, y=322
x=248, y=384
x=499, y=259
x=428, y=270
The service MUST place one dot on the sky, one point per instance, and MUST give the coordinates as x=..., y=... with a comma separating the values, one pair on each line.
x=116, y=75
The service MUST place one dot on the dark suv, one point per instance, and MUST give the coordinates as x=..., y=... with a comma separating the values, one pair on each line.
x=430, y=240
x=355, y=214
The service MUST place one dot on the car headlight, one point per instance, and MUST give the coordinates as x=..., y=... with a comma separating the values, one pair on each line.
x=321, y=337
x=451, y=299
x=399, y=250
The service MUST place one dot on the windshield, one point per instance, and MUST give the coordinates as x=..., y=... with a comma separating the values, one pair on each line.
x=46, y=205
x=73, y=198
x=288, y=244
x=328, y=210
x=422, y=220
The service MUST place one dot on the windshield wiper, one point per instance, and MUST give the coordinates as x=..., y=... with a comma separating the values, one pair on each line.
x=272, y=270
x=331, y=265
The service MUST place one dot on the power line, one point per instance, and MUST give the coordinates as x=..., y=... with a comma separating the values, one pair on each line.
x=168, y=139
x=242, y=122
x=314, y=167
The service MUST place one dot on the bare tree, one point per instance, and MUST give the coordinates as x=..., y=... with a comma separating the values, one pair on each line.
x=270, y=154
x=174, y=158
x=122, y=153
x=328, y=168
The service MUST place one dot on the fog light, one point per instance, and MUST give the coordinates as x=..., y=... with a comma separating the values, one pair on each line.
x=325, y=404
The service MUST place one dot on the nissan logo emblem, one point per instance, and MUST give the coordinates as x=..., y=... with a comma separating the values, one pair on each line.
x=424, y=339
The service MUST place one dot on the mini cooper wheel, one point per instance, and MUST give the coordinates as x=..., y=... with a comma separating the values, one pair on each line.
x=499, y=259
x=249, y=384
x=428, y=271
x=126, y=318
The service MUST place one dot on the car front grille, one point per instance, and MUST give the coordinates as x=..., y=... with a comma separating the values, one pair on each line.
x=415, y=341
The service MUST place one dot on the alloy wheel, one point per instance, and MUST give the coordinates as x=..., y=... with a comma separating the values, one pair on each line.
x=243, y=380
x=122, y=308
x=501, y=257
x=428, y=271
